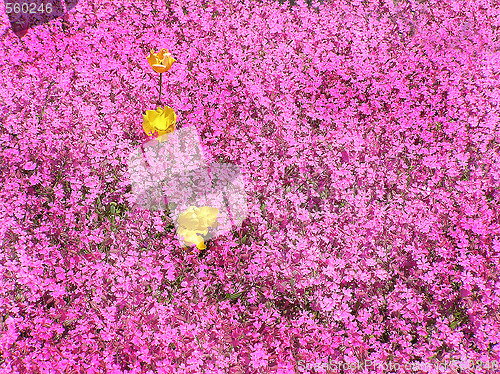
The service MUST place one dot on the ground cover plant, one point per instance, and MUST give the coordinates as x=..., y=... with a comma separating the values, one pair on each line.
x=367, y=134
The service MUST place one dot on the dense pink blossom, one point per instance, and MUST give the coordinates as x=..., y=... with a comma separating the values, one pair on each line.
x=368, y=135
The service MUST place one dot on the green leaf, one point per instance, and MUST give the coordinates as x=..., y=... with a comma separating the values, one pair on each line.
x=234, y=296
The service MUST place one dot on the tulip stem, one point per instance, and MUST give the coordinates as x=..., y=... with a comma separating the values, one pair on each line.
x=159, y=96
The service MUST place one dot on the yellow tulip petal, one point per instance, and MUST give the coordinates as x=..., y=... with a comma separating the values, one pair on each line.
x=147, y=126
x=168, y=119
x=190, y=223
x=162, y=54
x=159, y=68
x=201, y=245
x=159, y=123
x=162, y=124
x=188, y=219
x=168, y=61
x=208, y=216
x=170, y=113
x=191, y=238
x=192, y=208
x=198, y=241
x=171, y=120
x=152, y=60
x=183, y=231
x=152, y=115
x=201, y=231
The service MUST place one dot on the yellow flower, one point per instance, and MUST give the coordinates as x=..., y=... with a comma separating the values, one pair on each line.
x=194, y=223
x=161, y=61
x=161, y=121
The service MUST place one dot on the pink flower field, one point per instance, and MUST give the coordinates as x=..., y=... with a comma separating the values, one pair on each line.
x=358, y=231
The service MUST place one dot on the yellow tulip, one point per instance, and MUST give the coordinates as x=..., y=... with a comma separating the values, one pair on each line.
x=161, y=61
x=194, y=222
x=161, y=121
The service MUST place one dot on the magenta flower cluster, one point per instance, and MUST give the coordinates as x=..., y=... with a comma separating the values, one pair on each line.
x=368, y=132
